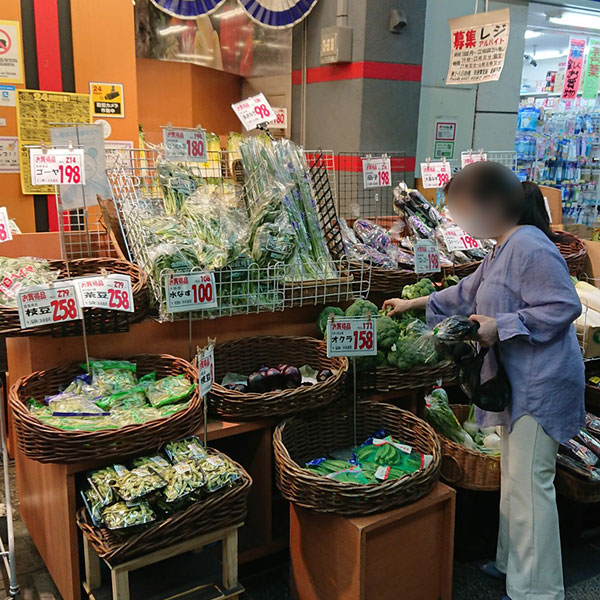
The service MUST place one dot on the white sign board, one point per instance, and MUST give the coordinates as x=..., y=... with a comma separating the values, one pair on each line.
x=112, y=292
x=254, y=111
x=206, y=369
x=188, y=145
x=427, y=257
x=9, y=154
x=351, y=336
x=377, y=172
x=190, y=291
x=57, y=166
x=11, y=56
x=281, y=119
x=467, y=158
x=435, y=174
x=457, y=239
x=478, y=47
x=48, y=305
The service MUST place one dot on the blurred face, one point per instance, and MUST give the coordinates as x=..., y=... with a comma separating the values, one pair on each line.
x=475, y=218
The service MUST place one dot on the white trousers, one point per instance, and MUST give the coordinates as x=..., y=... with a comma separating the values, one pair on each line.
x=529, y=541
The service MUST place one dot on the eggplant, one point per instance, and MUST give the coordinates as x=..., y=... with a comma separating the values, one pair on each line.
x=282, y=367
x=273, y=379
x=257, y=383
x=263, y=370
x=324, y=375
x=292, y=378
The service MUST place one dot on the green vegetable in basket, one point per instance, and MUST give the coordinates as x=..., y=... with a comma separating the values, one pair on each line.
x=157, y=461
x=182, y=478
x=388, y=332
x=134, y=397
x=121, y=515
x=361, y=308
x=424, y=287
x=111, y=376
x=24, y=271
x=350, y=475
x=131, y=485
x=322, y=319
x=100, y=480
x=444, y=421
x=219, y=472
x=169, y=390
x=187, y=449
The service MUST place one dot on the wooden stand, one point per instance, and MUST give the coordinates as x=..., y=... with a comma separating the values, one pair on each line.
x=120, y=573
x=404, y=553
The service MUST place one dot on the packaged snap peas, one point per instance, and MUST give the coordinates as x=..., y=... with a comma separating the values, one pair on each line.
x=139, y=482
x=147, y=379
x=169, y=390
x=122, y=515
x=111, y=376
x=219, y=472
x=186, y=449
x=101, y=481
x=182, y=479
x=158, y=462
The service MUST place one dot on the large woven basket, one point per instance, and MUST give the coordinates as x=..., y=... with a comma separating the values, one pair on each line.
x=462, y=270
x=246, y=355
x=466, y=468
x=389, y=280
x=218, y=510
x=303, y=438
x=97, y=320
x=47, y=444
x=574, y=251
x=576, y=488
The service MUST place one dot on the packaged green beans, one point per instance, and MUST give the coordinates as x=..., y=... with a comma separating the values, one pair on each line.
x=101, y=482
x=186, y=449
x=169, y=390
x=123, y=515
x=182, y=479
x=134, y=484
x=219, y=472
x=158, y=462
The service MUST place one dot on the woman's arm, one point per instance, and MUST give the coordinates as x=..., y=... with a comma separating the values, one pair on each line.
x=552, y=302
x=397, y=305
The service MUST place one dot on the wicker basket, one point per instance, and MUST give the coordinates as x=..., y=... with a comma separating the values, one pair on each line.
x=389, y=280
x=574, y=251
x=97, y=320
x=247, y=354
x=576, y=488
x=47, y=444
x=218, y=510
x=389, y=379
x=466, y=468
x=300, y=439
x=462, y=270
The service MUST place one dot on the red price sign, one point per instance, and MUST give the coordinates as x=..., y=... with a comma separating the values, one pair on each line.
x=46, y=305
x=427, y=257
x=456, y=239
x=435, y=174
x=466, y=158
x=254, y=111
x=184, y=144
x=190, y=291
x=57, y=166
x=5, y=232
x=351, y=336
x=206, y=369
x=111, y=292
x=377, y=172
x=281, y=119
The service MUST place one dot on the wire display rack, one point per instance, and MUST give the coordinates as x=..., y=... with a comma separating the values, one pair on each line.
x=242, y=286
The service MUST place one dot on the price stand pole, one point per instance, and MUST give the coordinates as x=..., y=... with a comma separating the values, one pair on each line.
x=352, y=337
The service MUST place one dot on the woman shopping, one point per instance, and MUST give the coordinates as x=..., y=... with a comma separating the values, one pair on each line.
x=524, y=301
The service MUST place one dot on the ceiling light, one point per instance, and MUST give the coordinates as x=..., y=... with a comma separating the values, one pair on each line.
x=530, y=34
x=572, y=19
x=548, y=54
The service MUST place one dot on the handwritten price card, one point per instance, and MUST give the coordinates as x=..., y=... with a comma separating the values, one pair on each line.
x=47, y=305
x=457, y=239
x=351, y=337
x=427, y=257
x=191, y=291
x=57, y=166
x=435, y=174
x=206, y=369
x=112, y=292
x=185, y=144
x=254, y=111
x=377, y=172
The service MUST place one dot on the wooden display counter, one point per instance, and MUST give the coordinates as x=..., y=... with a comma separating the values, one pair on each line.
x=404, y=553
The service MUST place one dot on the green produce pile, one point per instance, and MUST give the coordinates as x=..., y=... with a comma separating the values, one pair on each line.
x=379, y=458
x=159, y=485
x=441, y=417
x=24, y=271
x=110, y=396
x=424, y=287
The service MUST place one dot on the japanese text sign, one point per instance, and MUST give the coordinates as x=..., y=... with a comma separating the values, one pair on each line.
x=190, y=291
x=107, y=99
x=427, y=257
x=46, y=305
x=574, y=68
x=377, y=172
x=206, y=369
x=112, y=292
x=5, y=232
x=478, y=47
x=281, y=119
x=457, y=239
x=351, y=336
x=591, y=78
x=254, y=111
x=435, y=174
x=57, y=166
x=185, y=144
x=467, y=158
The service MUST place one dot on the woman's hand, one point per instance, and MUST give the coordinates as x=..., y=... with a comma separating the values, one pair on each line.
x=487, y=334
x=396, y=306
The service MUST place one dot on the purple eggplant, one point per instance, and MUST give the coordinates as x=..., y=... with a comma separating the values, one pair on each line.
x=257, y=383
x=273, y=379
x=324, y=375
x=240, y=387
x=292, y=378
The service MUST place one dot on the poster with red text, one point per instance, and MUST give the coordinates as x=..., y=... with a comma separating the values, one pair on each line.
x=574, y=68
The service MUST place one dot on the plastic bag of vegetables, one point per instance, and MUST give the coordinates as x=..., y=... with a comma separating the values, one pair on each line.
x=169, y=390
x=219, y=472
x=124, y=515
x=131, y=485
x=182, y=478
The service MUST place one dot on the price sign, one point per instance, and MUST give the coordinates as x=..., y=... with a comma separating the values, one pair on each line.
x=457, y=239
x=427, y=257
x=254, y=111
x=351, y=337
x=206, y=369
x=5, y=232
x=377, y=172
x=435, y=174
x=190, y=291
x=466, y=158
x=187, y=145
x=46, y=305
x=112, y=292
x=281, y=120
x=57, y=166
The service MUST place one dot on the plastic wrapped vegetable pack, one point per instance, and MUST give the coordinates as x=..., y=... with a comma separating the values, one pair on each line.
x=182, y=479
x=187, y=449
x=123, y=515
x=131, y=485
x=219, y=472
x=24, y=271
x=169, y=390
x=581, y=455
